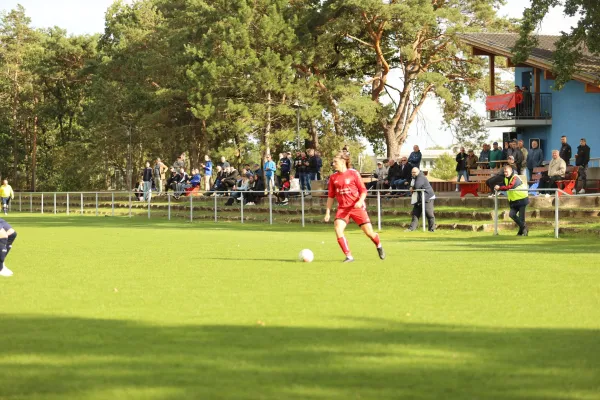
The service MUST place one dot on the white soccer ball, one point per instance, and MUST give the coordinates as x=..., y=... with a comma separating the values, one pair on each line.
x=306, y=256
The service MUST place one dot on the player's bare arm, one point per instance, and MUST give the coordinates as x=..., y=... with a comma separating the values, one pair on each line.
x=328, y=210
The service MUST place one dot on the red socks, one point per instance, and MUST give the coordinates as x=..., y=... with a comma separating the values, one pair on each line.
x=344, y=245
x=376, y=240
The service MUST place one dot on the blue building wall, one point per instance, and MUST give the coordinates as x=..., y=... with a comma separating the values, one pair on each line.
x=575, y=114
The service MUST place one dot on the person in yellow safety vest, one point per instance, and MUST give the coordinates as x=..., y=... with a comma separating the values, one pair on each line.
x=518, y=198
x=7, y=194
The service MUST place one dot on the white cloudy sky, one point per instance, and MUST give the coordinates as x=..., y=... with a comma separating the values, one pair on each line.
x=87, y=16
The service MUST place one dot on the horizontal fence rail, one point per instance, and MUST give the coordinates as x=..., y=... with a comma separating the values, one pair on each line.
x=201, y=206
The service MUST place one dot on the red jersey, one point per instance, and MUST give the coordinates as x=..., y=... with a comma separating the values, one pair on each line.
x=346, y=188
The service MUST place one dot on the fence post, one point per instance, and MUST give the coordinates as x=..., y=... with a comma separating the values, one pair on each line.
x=496, y=213
x=215, y=208
x=302, y=204
x=129, y=204
x=270, y=208
x=112, y=203
x=242, y=206
x=42, y=203
x=556, y=215
x=191, y=208
x=169, y=206
x=96, y=204
x=378, y=210
x=31, y=202
x=20, y=202
x=81, y=203
x=54, y=203
x=68, y=208
x=423, y=210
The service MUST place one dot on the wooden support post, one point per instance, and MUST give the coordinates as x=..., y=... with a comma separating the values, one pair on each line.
x=492, y=81
x=536, y=110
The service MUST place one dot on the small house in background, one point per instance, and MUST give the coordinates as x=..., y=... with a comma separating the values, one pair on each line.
x=540, y=112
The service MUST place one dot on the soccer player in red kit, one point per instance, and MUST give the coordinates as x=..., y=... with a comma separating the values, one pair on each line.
x=347, y=187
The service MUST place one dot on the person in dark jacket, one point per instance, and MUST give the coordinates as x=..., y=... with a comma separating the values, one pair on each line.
x=582, y=158
x=565, y=150
x=285, y=166
x=517, y=154
x=313, y=165
x=230, y=179
x=147, y=178
x=414, y=159
x=535, y=158
x=393, y=172
x=461, y=166
x=420, y=182
x=319, y=164
x=403, y=182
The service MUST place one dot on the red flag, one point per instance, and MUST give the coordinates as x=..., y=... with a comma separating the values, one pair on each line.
x=501, y=102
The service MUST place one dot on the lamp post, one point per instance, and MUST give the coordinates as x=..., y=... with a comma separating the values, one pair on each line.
x=297, y=106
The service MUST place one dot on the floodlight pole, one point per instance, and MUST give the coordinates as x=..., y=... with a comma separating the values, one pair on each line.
x=297, y=106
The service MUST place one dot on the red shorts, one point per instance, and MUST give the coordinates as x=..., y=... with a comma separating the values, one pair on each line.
x=358, y=215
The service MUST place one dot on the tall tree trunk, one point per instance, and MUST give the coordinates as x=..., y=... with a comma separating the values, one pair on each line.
x=314, y=134
x=15, y=129
x=34, y=152
x=266, y=149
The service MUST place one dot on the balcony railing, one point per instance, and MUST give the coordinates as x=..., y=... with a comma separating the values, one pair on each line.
x=533, y=106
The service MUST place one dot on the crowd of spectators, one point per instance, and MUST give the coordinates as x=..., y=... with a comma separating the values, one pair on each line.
x=224, y=179
x=396, y=176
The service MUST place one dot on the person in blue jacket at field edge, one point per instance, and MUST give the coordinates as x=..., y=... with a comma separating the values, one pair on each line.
x=208, y=167
x=270, y=169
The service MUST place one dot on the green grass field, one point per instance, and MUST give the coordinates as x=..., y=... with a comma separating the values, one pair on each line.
x=113, y=308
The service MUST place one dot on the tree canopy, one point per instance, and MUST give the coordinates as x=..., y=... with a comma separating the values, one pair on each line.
x=222, y=78
x=572, y=44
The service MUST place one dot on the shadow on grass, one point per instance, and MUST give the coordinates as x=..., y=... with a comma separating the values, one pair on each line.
x=506, y=242
x=376, y=359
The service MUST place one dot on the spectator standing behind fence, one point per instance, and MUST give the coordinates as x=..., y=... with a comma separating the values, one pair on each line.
x=208, y=169
x=495, y=154
x=565, y=150
x=319, y=161
x=313, y=165
x=516, y=153
x=535, y=158
x=147, y=178
x=304, y=174
x=414, y=159
x=461, y=166
x=582, y=158
x=270, y=169
x=285, y=165
x=472, y=161
x=7, y=194
x=159, y=175
x=484, y=157
x=420, y=182
x=179, y=163
x=523, y=166
x=224, y=163
x=518, y=198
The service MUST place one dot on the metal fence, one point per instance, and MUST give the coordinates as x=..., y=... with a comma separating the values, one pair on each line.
x=108, y=202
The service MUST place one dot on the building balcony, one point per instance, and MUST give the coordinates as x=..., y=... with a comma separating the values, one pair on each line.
x=508, y=111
